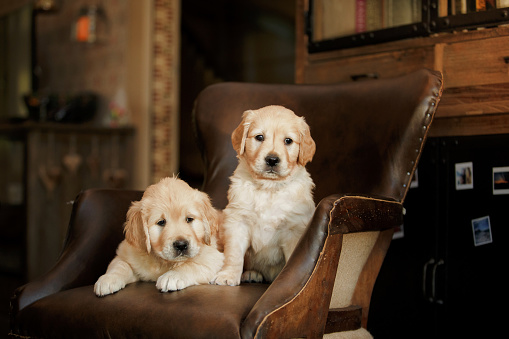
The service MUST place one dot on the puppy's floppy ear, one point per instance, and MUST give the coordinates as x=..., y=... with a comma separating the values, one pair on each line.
x=307, y=144
x=239, y=135
x=136, y=229
x=210, y=218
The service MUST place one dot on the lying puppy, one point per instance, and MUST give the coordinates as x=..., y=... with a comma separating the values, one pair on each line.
x=170, y=237
x=270, y=198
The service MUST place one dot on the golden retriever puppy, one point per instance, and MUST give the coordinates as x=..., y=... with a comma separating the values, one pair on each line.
x=270, y=198
x=170, y=238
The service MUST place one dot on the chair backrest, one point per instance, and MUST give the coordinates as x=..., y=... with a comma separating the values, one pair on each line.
x=367, y=133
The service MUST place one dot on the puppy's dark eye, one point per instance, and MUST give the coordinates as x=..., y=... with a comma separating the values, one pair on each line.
x=161, y=222
x=288, y=141
x=189, y=220
x=260, y=137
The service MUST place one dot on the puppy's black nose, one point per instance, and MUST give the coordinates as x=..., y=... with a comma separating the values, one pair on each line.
x=271, y=160
x=180, y=245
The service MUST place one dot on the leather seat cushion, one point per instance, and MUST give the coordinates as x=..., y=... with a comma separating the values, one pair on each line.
x=191, y=312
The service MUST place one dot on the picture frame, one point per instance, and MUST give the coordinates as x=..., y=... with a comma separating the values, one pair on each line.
x=399, y=232
x=464, y=176
x=481, y=229
x=414, y=183
x=500, y=180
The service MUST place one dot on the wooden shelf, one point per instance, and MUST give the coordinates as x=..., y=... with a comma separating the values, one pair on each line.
x=470, y=125
x=474, y=63
x=62, y=128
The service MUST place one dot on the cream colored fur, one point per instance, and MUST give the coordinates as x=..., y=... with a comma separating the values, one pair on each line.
x=171, y=238
x=269, y=206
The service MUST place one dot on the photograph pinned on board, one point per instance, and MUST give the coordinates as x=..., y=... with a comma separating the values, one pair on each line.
x=464, y=176
x=481, y=228
x=415, y=179
x=500, y=180
x=399, y=232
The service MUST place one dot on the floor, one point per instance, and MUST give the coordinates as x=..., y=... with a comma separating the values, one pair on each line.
x=7, y=286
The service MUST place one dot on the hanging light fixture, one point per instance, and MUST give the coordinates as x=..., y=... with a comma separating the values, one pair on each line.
x=90, y=25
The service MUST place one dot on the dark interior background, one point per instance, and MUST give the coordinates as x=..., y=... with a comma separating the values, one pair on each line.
x=230, y=40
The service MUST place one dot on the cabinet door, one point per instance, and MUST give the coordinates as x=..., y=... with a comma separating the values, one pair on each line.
x=401, y=300
x=475, y=227
x=443, y=278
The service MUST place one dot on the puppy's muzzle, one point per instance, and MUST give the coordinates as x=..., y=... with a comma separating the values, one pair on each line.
x=272, y=160
x=181, y=247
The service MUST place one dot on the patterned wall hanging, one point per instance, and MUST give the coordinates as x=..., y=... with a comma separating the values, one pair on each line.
x=165, y=88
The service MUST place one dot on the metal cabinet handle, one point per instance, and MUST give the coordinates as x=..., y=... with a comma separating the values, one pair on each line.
x=433, y=282
x=365, y=76
x=424, y=277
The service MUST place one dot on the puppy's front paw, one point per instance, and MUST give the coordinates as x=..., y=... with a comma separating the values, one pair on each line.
x=172, y=281
x=252, y=276
x=108, y=284
x=229, y=277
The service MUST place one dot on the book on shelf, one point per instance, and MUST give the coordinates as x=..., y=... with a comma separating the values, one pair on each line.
x=502, y=3
x=443, y=7
x=347, y=17
x=379, y=14
x=360, y=16
x=401, y=12
x=458, y=7
x=338, y=18
x=374, y=15
x=491, y=4
x=468, y=6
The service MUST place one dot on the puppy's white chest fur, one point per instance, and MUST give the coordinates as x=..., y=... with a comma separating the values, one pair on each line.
x=273, y=210
x=268, y=219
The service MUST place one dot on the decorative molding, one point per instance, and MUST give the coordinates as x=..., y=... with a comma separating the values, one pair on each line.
x=165, y=92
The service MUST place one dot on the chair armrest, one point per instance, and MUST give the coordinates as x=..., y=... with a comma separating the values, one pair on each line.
x=365, y=213
x=306, y=282
x=94, y=232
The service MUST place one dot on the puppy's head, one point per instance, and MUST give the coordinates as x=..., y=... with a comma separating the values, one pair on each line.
x=273, y=141
x=171, y=221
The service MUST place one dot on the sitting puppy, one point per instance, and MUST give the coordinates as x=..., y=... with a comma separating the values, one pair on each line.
x=170, y=237
x=270, y=198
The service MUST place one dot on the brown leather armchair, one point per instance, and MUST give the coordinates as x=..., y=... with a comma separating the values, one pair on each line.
x=369, y=136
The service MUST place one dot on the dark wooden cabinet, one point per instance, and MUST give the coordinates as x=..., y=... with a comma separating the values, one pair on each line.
x=443, y=278
x=473, y=57
x=44, y=167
